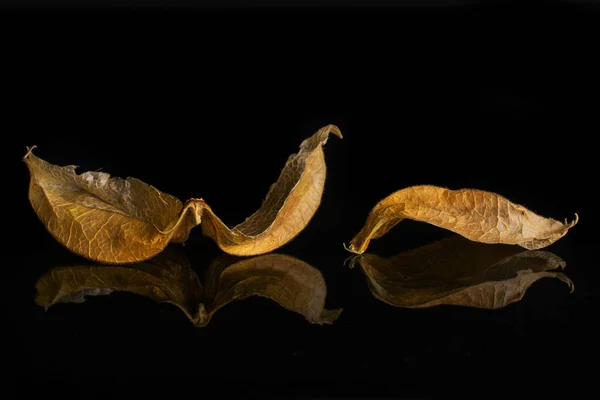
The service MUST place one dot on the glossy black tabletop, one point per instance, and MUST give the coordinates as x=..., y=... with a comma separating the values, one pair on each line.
x=210, y=103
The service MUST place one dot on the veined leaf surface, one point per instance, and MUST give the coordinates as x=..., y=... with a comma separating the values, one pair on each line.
x=116, y=220
x=477, y=215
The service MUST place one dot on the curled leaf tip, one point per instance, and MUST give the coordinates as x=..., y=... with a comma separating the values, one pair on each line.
x=334, y=129
x=29, y=151
x=356, y=251
x=571, y=285
x=352, y=248
x=346, y=259
x=320, y=137
x=352, y=260
x=575, y=221
x=329, y=316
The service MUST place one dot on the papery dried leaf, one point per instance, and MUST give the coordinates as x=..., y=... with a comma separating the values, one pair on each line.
x=475, y=214
x=292, y=283
x=290, y=204
x=166, y=278
x=101, y=218
x=456, y=271
x=116, y=220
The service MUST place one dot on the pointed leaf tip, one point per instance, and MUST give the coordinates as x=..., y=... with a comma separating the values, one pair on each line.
x=29, y=151
x=335, y=130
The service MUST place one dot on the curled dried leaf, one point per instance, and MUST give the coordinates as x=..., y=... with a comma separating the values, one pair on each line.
x=290, y=282
x=116, y=220
x=475, y=214
x=456, y=271
x=290, y=204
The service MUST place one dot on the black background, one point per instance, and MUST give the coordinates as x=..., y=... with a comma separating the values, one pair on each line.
x=210, y=102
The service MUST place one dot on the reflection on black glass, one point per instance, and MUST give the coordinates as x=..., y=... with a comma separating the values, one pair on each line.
x=457, y=271
x=292, y=283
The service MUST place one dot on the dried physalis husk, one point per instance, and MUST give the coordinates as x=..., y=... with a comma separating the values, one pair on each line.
x=478, y=215
x=116, y=220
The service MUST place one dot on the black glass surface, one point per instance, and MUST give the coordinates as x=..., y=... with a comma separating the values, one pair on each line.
x=210, y=103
